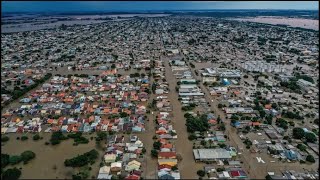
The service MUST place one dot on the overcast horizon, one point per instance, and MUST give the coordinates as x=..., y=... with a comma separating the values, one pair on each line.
x=100, y=6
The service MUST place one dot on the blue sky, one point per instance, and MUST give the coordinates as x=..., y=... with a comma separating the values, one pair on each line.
x=64, y=6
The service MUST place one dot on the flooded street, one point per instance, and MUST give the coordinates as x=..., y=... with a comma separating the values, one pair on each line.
x=253, y=168
x=188, y=167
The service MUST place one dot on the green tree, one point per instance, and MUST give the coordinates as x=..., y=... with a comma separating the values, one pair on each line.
x=219, y=119
x=143, y=150
x=11, y=174
x=101, y=136
x=36, y=137
x=56, y=137
x=4, y=160
x=174, y=168
x=310, y=158
x=81, y=160
x=298, y=133
x=234, y=117
x=222, y=127
x=203, y=142
x=301, y=147
x=27, y=156
x=15, y=159
x=23, y=138
x=154, y=153
x=201, y=173
x=4, y=138
x=310, y=137
x=269, y=119
x=157, y=145
x=123, y=114
x=192, y=137
x=268, y=177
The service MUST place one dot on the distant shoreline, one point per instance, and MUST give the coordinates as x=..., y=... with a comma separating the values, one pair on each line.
x=291, y=22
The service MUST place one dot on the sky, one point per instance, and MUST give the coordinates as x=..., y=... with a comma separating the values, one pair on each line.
x=75, y=6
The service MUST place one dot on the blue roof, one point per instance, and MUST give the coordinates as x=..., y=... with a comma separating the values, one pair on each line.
x=290, y=154
x=237, y=123
x=210, y=116
x=166, y=176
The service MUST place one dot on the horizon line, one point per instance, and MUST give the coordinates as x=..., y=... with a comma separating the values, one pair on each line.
x=100, y=11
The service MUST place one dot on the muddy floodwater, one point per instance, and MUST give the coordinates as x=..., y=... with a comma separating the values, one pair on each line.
x=49, y=161
x=293, y=22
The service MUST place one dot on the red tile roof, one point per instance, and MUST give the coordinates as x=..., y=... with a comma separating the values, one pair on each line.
x=166, y=154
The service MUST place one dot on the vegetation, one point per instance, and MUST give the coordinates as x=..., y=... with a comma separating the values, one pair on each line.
x=4, y=138
x=192, y=137
x=36, y=137
x=157, y=145
x=154, y=153
x=310, y=137
x=82, y=174
x=310, y=158
x=4, y=160
x=220, y=169
x=302, y=147
x=11, y=174
x=304, y=77
x=292, y=115
x=201, y=173
x=17, y=93
x=282, y=123
x=269, y=119
x=56, y=137
x=82, y=160
x=174, y=168
x=26, y=156
x=101, y=136
x=23, y=138
x=78, y=138
x=291, y=84
x=268, y=177
x=248, y=143
x=123, y=114
x=197, y=123
x=298, y=133
x=189, y=107
x=15, y=159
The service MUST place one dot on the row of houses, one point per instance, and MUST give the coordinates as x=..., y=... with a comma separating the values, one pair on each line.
x=71, y=104
x=122, y=158
x=167, y=157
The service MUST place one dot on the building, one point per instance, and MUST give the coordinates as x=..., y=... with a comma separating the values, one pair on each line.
x=239, y=110
x=211, y=154
x=225, y=82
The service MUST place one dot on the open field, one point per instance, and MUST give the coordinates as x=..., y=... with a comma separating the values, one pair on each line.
x=293, y=22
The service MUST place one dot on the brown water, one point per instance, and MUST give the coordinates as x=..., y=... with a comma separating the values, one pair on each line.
x=188, y=167
x=48, y=156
